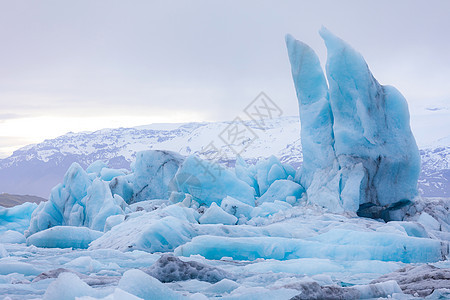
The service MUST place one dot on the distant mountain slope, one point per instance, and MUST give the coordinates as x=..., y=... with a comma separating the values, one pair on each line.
x=35, y=169
x=8, y=200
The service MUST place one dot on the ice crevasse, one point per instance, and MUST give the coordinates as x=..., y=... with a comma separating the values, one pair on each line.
x=359, y=153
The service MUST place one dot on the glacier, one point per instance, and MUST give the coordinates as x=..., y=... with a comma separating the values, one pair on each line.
x=348, y=223
x=357, y=144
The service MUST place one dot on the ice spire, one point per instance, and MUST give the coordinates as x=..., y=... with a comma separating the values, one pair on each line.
x=357, y=142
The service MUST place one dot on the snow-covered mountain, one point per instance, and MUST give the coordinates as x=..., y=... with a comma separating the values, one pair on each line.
x=35, y=169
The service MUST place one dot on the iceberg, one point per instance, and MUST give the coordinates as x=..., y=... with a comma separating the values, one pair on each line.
x=216, y=215
x=209, y=182
x=64, y=237
x=89, y=197
x=270, y=170
x=336, y=244
x=65, y=206
x=358, y=147
x=144, y=286
x=12, y=236
x=148, y=233
x=16, y=218
x=236, y=207
x=68, y=286
x=152, y=173
x=280, y=190
x=79, y=201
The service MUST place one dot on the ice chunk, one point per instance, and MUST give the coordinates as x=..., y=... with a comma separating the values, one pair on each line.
x=439, y=294
x=222, y=287
x=16, y=218
x=64, y=237
x=216, y=247
x=260, y=293
x=269, y=208
x=96, y=167
x=384, y=246
x=85, y=264
x=280, y=189
x=54, y=274
x=99, y=205
x=312, y=290
x=8, y=266
x=269, y=170
x=315, y=266
x=148, y=233
x=335, y=244
x=421, y=279
x=216, y=215
x=145, y=286
x=3, y=251
x=170, y=268
x=371, y=127
x=118, y=294
x=357, y=144
x=121, y=186
x=428, y=221
x=182, y=213
x=236, y=207
x=153, y=171
x=12, y=236
x=411, y=228
x=108, y=174
x=246, y=173
x=209, y=182
x=77, y=202
x=378, y=290
x=65, y=206
x=315, y=111
x=112, y=221
x=68, y=286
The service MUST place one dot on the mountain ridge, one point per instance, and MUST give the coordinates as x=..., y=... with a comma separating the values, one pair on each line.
x=35, y=169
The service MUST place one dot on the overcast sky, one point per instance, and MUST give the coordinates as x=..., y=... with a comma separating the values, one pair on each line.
x=86, y=65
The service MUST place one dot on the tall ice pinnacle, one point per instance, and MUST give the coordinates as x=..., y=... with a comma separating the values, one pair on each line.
x=358, y=148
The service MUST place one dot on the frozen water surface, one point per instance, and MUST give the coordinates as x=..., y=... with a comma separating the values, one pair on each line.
x=347, y=225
